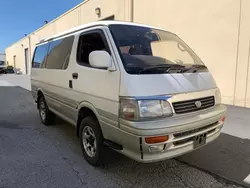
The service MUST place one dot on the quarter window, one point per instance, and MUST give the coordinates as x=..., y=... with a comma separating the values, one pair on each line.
x=40, y=56
x=59, y=53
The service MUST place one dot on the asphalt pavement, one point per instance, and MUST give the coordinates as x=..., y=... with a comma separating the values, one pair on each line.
x=33, y=155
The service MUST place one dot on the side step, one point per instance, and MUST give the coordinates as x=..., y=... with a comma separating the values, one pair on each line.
x=112, y=145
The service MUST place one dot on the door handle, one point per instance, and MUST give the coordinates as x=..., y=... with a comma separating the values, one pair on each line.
x=74, y=75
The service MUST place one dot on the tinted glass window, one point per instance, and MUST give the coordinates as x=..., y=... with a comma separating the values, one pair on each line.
x=59, y=53
x=40, y=56
x=89, y=43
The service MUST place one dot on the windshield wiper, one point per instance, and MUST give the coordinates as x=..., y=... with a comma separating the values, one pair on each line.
x=194, y=68
x=168, y=67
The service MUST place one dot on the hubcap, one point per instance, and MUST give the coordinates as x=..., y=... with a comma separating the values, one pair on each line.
x=42, y=110
x=89, y=141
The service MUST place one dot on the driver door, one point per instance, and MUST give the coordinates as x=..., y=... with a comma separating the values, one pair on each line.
x=95, y=86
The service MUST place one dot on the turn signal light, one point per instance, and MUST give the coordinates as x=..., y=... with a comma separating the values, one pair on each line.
x=156, y=139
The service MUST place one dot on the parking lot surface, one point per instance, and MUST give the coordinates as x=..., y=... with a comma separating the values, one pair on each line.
x=33, y=155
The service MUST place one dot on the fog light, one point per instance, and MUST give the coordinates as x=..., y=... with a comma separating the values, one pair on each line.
x=157, y=148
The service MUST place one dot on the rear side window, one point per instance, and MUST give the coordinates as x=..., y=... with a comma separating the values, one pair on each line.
x=59, y=53
x=40, y=56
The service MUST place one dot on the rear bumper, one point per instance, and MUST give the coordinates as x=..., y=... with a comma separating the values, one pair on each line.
x=181, y=131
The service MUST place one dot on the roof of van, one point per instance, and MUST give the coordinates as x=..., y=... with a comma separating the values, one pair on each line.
x=92, y=24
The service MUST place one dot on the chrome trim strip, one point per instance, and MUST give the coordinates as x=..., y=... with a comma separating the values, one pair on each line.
x=173, y=94
x=107, y=117
x=60, y=101
x=156, y=97
x=63, y=117
x=108, y=121
x=107, y=114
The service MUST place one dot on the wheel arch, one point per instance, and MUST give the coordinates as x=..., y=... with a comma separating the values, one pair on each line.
x=86, y=109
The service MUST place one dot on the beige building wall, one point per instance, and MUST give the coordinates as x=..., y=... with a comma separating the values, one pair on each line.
x=211, y=28
x=217, y=30
x=17, y=50
x=242, y=87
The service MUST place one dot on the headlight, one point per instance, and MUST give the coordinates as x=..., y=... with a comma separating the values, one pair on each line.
x=144, y=109
x=217, y=97
x=150, y=108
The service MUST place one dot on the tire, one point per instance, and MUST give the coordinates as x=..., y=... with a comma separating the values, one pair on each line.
x=47, y=117
x=91, y=124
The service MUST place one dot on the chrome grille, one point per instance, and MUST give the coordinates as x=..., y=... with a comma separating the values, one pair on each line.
x=190, y=105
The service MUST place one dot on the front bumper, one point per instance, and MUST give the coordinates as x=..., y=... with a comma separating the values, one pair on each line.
x=181, y=131
x=179, y=146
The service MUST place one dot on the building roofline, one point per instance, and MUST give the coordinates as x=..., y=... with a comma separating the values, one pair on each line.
x=52, y=21
x=93, y=24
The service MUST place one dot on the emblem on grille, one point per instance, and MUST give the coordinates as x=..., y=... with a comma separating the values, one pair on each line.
x=198, y=104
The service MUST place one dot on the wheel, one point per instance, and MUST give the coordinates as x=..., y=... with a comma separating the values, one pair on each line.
x=91, y=140
x=47, y=117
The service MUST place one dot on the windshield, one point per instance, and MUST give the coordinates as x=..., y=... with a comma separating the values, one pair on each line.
x=146, y=50
x=2, y=62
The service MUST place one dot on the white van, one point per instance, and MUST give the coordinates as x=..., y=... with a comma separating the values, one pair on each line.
x=137, y=89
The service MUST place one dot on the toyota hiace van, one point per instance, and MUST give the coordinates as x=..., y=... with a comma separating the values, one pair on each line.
x=137, y=89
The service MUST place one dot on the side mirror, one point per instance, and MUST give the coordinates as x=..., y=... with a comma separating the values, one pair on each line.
x=100, y=59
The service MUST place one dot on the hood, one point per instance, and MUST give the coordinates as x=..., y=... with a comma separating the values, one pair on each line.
x=165, y=84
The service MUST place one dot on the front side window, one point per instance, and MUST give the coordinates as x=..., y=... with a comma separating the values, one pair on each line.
x=88, y=43
x=2, y=62
x=59, y=53
x=146, y=50
x=40, y=56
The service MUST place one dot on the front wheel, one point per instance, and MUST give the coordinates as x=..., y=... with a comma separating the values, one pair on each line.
x=47, y=117
x=91, y=141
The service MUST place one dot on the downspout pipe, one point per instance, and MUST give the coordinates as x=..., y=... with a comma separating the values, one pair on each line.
x=30, y=58
x=132, y=10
